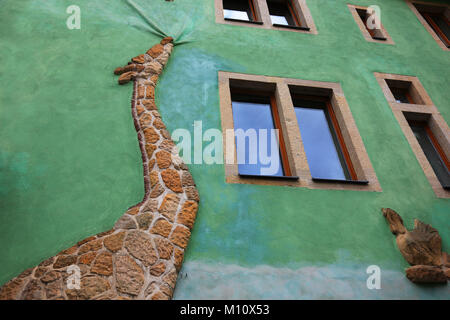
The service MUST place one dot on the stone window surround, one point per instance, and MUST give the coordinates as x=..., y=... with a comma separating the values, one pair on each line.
x=291, y=132
x=427, y=112
x=262, y=12
x=362, y=27
x=422, y=20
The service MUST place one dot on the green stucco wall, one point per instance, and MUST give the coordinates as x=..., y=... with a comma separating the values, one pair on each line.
x=70, y=162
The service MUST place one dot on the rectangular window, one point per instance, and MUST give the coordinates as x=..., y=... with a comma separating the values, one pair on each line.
x=325, y=149
x=370, y=25
x=435, y=17
x=403, y=91
x=376, y=34
x=283, y=13
x=440, y=25
x=423, y=126
x=242, y=10
x=437, y=20
x=318, y=147
x=433, y=151
x=255, y=116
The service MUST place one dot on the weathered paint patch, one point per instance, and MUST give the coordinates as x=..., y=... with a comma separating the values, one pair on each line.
x=202, y=280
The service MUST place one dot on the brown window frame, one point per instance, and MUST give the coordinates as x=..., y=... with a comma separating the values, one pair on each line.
x=337, y=131
x=433, y=140
x=254, y=18
x=277, y=124
x=428, y=23
x=436, y=28
x=295, y=17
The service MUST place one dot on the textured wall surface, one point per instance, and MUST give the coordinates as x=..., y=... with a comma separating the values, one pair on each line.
x=68, y=149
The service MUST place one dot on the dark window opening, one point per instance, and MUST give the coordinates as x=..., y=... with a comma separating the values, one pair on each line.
x=404, y=92
x=283, y=13
x=254, y=111
x=433, y=151
x=438, y=21
x=376, y=34
x=326, y=152
x=243, y=10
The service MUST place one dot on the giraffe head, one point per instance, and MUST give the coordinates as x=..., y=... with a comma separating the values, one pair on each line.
x=148, y=65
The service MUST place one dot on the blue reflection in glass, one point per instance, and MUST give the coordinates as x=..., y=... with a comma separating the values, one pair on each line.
x=249, y=115
x=235, y=14
x=321, y=151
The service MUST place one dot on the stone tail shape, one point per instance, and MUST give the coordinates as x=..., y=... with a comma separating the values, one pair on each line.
x=141, y=256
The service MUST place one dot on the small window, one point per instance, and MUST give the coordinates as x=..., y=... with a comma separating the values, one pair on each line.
x=433, y=151
x=404, y=92
x=283, y=13
x=364, y=19
x=241, y=10
x=325, y=149
x=256, y=114
x=436, y=19
x=376, y=34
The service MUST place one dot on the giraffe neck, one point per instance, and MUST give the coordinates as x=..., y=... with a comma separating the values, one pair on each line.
x=140, y=257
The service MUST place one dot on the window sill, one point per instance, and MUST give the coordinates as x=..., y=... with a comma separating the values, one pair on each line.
x=268, y=177
x=361, y=182
x=244, y=21
x=291, y=27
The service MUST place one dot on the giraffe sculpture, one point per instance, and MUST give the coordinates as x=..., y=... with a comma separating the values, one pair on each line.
x=140, y=257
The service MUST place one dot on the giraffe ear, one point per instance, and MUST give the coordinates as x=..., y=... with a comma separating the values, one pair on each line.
x=166, y=40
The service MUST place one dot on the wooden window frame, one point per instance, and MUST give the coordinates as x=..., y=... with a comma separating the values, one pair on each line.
x=426, y=24
x=433, y=140
x=436, y=28
x=277, y=124
x=364, y=30
x=295, y=16
x=282, y=89
x=426, y=112
x=336, y=132
x=254, y=18
x=301, y=15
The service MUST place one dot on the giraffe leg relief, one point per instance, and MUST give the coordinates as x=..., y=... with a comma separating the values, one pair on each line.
x=141, y=256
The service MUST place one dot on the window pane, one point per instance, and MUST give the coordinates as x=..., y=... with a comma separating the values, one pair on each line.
x=280, y=13
x=237, y=9
x=441, y=22
x=321, y=151
x=279, y=20
x=400, y=95
x=251, y=115
x=436, y=162
x=234, y=14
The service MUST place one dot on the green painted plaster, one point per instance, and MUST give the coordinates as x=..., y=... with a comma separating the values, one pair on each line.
x=69, y=158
